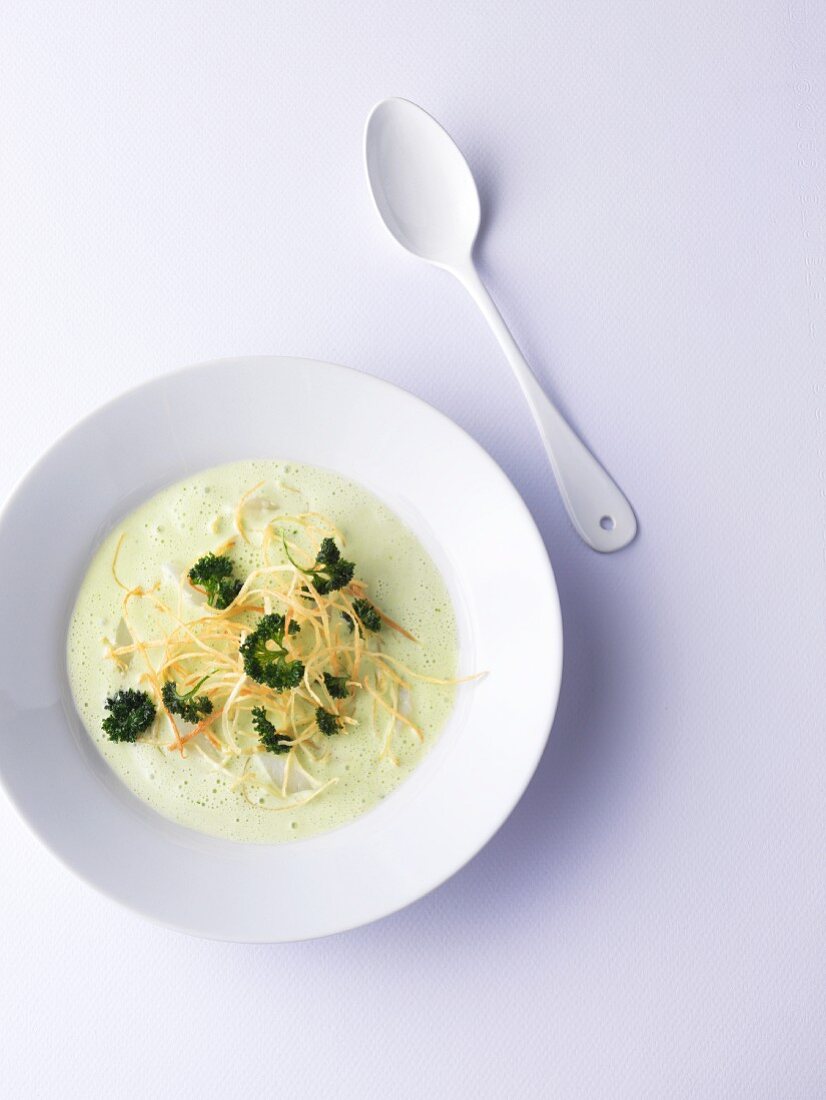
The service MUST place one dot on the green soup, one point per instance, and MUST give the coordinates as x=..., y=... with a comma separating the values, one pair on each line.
x=176, y=527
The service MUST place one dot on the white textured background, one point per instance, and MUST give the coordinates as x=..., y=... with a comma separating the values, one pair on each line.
x=183, y=181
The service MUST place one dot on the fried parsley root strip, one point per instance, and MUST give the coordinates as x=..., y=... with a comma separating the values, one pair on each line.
x=273, y=689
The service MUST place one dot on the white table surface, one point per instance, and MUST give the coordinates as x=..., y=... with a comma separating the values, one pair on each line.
x=180, y=182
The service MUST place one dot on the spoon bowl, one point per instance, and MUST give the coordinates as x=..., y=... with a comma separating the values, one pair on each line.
x=422, y=185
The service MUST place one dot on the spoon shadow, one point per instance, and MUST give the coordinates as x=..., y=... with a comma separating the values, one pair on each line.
x=492, y=184
x=489, y=183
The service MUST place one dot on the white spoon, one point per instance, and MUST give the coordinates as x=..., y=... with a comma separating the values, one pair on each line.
x=427, y=198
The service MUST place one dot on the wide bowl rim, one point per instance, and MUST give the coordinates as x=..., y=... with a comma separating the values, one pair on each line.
x=552, y=686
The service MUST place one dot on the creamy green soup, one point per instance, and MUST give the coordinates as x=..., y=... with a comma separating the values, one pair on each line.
x=158, y=541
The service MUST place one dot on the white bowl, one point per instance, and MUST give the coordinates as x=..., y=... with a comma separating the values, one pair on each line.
x=441, y=483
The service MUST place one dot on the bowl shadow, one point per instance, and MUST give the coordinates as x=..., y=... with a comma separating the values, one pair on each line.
x=545, y=845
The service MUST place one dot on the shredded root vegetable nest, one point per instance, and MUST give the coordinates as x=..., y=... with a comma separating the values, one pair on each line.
x=204, y=642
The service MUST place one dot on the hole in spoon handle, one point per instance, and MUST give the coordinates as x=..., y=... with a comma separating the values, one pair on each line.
x=596, y=506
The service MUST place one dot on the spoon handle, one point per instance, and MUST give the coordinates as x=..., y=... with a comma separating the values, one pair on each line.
x=596, y=506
